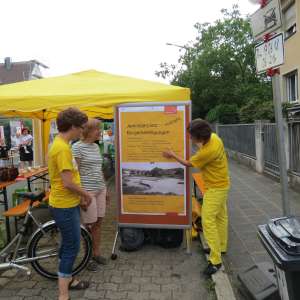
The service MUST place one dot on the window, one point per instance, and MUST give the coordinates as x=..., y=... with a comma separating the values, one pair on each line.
x=292, y=86
x=289, y=20
x=36, y=72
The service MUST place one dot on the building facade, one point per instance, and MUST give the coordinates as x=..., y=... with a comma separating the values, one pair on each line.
x=291, y=68
x=11, y=72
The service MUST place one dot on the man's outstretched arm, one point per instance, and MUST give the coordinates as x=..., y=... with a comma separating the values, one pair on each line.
x=172, y=154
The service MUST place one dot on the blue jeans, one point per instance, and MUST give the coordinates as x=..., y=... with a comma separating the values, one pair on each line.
x=68, y=223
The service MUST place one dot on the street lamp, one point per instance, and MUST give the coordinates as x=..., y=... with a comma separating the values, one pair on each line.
x=176, y=45
x=255, y=1
x=261, y=2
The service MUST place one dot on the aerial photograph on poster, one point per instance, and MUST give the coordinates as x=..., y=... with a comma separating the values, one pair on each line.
x=153, y=179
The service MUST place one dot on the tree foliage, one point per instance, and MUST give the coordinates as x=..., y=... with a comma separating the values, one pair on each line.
x=224, y=113
x=257, y=110
x=219, y=68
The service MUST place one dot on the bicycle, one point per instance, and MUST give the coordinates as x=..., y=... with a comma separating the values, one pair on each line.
x=43, y=245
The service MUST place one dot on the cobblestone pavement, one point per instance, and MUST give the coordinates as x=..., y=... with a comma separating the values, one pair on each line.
x=253, y=200
x=150, y=273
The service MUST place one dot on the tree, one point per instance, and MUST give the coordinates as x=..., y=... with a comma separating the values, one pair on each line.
x=219, y=68
x=224, y=113
x=257, y=110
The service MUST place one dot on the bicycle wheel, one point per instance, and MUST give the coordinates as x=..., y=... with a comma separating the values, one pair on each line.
x=47, y=243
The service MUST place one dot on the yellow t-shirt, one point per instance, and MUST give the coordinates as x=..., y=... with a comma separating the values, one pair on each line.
x=211, y=159
x=60, y=159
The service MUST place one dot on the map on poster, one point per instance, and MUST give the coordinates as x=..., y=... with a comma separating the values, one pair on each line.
x=151, y=184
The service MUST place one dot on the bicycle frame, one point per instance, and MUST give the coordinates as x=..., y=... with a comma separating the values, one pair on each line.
x=15, y=261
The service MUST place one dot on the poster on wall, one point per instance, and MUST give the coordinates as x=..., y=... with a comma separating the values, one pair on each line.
x=2, y=136
x=53, y=132
x=153, y=190
x=15, y=132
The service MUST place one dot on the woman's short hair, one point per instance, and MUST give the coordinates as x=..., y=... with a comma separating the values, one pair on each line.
x=70, y=117
x=200, y=130
x=90, y=126
x=25, y=129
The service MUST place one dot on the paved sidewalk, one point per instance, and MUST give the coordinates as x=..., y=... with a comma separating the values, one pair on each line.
x=254, y=199
x=150, y=273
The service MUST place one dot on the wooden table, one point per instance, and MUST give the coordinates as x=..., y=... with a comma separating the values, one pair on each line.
x=33, y=175
x=30, y=176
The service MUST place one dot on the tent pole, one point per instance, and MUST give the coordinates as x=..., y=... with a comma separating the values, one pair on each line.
x=37, y=142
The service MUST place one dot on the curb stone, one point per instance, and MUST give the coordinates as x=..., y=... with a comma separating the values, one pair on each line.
x=222, y=283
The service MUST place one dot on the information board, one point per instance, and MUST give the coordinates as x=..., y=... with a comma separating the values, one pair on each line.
x=152, y=190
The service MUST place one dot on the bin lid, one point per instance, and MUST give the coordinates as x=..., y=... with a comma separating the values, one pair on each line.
x=286, y=232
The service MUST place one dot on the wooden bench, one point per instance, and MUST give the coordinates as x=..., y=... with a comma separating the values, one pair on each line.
x=21, y=209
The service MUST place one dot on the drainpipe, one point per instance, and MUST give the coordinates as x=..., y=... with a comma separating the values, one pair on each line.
x=7, y=63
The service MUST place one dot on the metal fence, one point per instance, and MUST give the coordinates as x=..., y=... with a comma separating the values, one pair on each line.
x=294, y=144
x=239, y=137
x=270, y=148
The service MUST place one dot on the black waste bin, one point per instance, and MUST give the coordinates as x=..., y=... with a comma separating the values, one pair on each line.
x=281, y=238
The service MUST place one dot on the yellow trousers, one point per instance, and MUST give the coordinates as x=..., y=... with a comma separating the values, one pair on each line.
x=215, y=222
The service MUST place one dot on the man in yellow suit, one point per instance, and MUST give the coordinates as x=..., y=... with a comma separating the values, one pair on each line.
x=212, y=161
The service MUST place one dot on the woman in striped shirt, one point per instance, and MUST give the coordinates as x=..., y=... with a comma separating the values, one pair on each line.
x=89, y=160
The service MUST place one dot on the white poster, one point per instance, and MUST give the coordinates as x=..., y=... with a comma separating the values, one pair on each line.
x=2, y=137
x=53, y=131
x=15, y=132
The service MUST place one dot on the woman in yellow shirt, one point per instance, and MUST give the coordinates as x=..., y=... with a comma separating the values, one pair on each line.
x=212, y=161
x=66, y=196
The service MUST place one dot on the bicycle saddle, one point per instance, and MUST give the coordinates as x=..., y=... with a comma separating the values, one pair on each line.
x=34, y=196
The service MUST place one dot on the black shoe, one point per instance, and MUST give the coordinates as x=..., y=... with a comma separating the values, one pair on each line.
x=100, y=260
x=93, y=266
x=211, y=269
x=207, y=251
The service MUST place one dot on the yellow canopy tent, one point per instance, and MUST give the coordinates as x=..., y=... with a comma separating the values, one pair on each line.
x=94, y=92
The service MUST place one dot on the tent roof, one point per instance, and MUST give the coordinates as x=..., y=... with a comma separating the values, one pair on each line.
x=94, y=92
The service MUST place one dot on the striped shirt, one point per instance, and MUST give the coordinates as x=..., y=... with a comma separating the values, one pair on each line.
x=90, y=166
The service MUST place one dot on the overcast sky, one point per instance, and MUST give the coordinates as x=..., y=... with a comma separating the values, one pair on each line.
x=126, y=37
